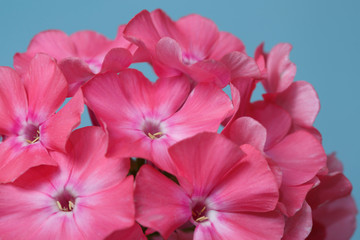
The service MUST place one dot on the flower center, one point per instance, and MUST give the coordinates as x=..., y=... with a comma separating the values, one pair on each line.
x=152, y=129
x=199, y=212
x=31, y=133
x=65, y=201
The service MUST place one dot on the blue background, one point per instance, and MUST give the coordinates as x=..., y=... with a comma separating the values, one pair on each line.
x=324, y=34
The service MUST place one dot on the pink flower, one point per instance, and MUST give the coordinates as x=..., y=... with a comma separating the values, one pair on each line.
x=87, y=197
x=298, y=98
x=192, y=45
x=29, y=125
x=223, y=192
x=80, y=55
x=143, y=118
x=296, y=158
x=333, y=209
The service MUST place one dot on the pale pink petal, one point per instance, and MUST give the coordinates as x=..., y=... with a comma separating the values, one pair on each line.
x=116, y=60
x=241, y=65
x=15, y=159
x=21, y=62
x=206, y=232
x=55, y=43
x=276, y=121
x=160, y=155
x=334, y=164
x=246, y=130
x=28, y=209
x=281, y=71
x=300, y=157
x=249, y=226
x=204, y=110
x=106, y=211
x=301, y=101
x=298, y=226
x=170, y=94
x=46, y=87
x=141, y=31
x=56, y=130
x=13, y=101
x=164, y=25
x=226, y=43
x=76, y=72
x=168, y=51
x=87, y=148
x=127, y=95
x=260, y=57
x=210, y=71
x=203, y=160
x=258, y=191
x=134, y=232
x=89, y=44
x=201, y=33
x=160, y=203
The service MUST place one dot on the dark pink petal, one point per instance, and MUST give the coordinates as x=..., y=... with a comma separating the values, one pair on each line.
x=13, y=101
x=56, y=130
x=134, y=232
x=226, y=43
x=87, y=148
x=160, y=203
x=201, y=33
x=292, y=198
x=331, y=187
x=264, y=226
x=301, y=101
x=89, y=44
x=276, y=121
x=300, y=157
x=248, y=187
x=16, y=159
x=299, y=225
x=246, y=130
x=46, y=87
x=160, y=155
x=203, y=160
x=76, y=72
x=241, y=65
x=106, y=211
x=204, y=110
x=338, y=218
x=116, y=60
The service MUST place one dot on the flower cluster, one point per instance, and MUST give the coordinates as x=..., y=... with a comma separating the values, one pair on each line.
x=172, y=159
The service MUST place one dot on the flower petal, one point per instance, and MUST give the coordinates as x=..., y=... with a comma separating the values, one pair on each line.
x=13, y=101
x=160, y=203
x=46, y=87
x=203, y=160
x=248, y=187
x=56, y=130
